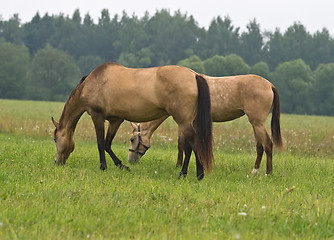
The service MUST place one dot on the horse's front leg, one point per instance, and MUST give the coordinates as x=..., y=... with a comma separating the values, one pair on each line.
x=112, y=129
x=98, y=121
x=199, y=168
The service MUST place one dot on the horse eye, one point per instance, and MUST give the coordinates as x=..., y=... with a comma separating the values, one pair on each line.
x=132, y=140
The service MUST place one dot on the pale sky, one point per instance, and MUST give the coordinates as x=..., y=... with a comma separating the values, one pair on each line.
x=313, y=14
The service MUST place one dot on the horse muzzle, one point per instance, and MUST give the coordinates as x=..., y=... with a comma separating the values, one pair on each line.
x=133, y=157
x=59, y=162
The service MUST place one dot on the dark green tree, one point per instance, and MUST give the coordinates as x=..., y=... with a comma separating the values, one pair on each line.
x=145, y=56
x=131, y=35
x=68, y=36
x=194, y=63
x=88, y=21
x=141, y=59
x=76, y=17
x=261, y=69
x=235, y=65
x=222, y=38
x=52, y=76
x=170, y=36
x=14, y=62
x=215, y=66
x=321, y=49
x=128, y=60
x=296, y=42
x=106, y=43
x=11, y=31
x=38, y=31
x=252, y=43
x=323, y=90
x=88, y=63
x=274, y=49
x=294, y=80
x=92, y=38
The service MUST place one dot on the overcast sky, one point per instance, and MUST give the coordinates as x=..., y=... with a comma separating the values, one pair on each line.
x=313, y=14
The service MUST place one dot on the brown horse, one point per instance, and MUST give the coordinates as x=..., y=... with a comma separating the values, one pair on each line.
x=116, y=93
x=231, y=98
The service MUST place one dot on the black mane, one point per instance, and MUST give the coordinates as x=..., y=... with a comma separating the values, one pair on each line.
x=83, y=79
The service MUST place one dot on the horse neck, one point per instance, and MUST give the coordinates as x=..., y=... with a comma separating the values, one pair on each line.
x=72, y=112
x=150, y=127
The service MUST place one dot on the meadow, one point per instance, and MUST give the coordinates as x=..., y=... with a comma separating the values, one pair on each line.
x=39, y=200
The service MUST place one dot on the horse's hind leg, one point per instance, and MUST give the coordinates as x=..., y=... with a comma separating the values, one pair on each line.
x=199, y=169
x=199, y=166
x=259, y=151
x=269, y=152
x=112, y=129
x=187, y=155
x=180, y=148
x=264, y=143
x=189, y=146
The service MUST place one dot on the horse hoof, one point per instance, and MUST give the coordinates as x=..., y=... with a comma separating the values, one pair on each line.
x=200, y=177
x=255, y=172
x=103, y=167
x=124, y=167
x=182, y=175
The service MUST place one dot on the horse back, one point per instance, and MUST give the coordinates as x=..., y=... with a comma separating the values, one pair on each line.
x=234, y=96
x=143, y=93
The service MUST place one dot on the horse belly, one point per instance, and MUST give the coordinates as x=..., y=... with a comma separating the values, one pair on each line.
x=138, y=114
x=227, y=115
x=225, y=107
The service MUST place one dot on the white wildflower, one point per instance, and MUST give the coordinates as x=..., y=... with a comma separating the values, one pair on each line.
x=242, y=214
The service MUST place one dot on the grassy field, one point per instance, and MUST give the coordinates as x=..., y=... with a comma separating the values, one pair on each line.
x=39, y=200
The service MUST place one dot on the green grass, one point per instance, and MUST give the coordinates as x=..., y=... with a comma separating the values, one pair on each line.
x=39, y=200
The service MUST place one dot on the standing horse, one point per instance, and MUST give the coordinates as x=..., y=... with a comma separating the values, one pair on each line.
x=231, y=98
x=115, y=93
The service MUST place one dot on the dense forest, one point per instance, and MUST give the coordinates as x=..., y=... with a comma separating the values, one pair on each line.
x=45, y=58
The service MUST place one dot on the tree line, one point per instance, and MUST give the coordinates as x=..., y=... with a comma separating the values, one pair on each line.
x=44, y=59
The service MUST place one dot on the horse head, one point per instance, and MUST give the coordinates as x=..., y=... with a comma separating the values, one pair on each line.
x=64, y=143
x=139, y=144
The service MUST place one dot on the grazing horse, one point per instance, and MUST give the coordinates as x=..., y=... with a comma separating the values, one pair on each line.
x=231, y=98
x=115, y=93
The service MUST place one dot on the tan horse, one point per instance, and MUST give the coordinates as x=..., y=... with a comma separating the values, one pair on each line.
x=116, y=93
x=231, y=98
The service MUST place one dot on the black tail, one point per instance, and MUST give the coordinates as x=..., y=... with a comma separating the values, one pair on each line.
x=203, y=125
x=275, y=121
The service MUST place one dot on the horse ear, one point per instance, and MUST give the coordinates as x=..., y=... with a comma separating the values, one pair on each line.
x=134, y=125
x=55, y=122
